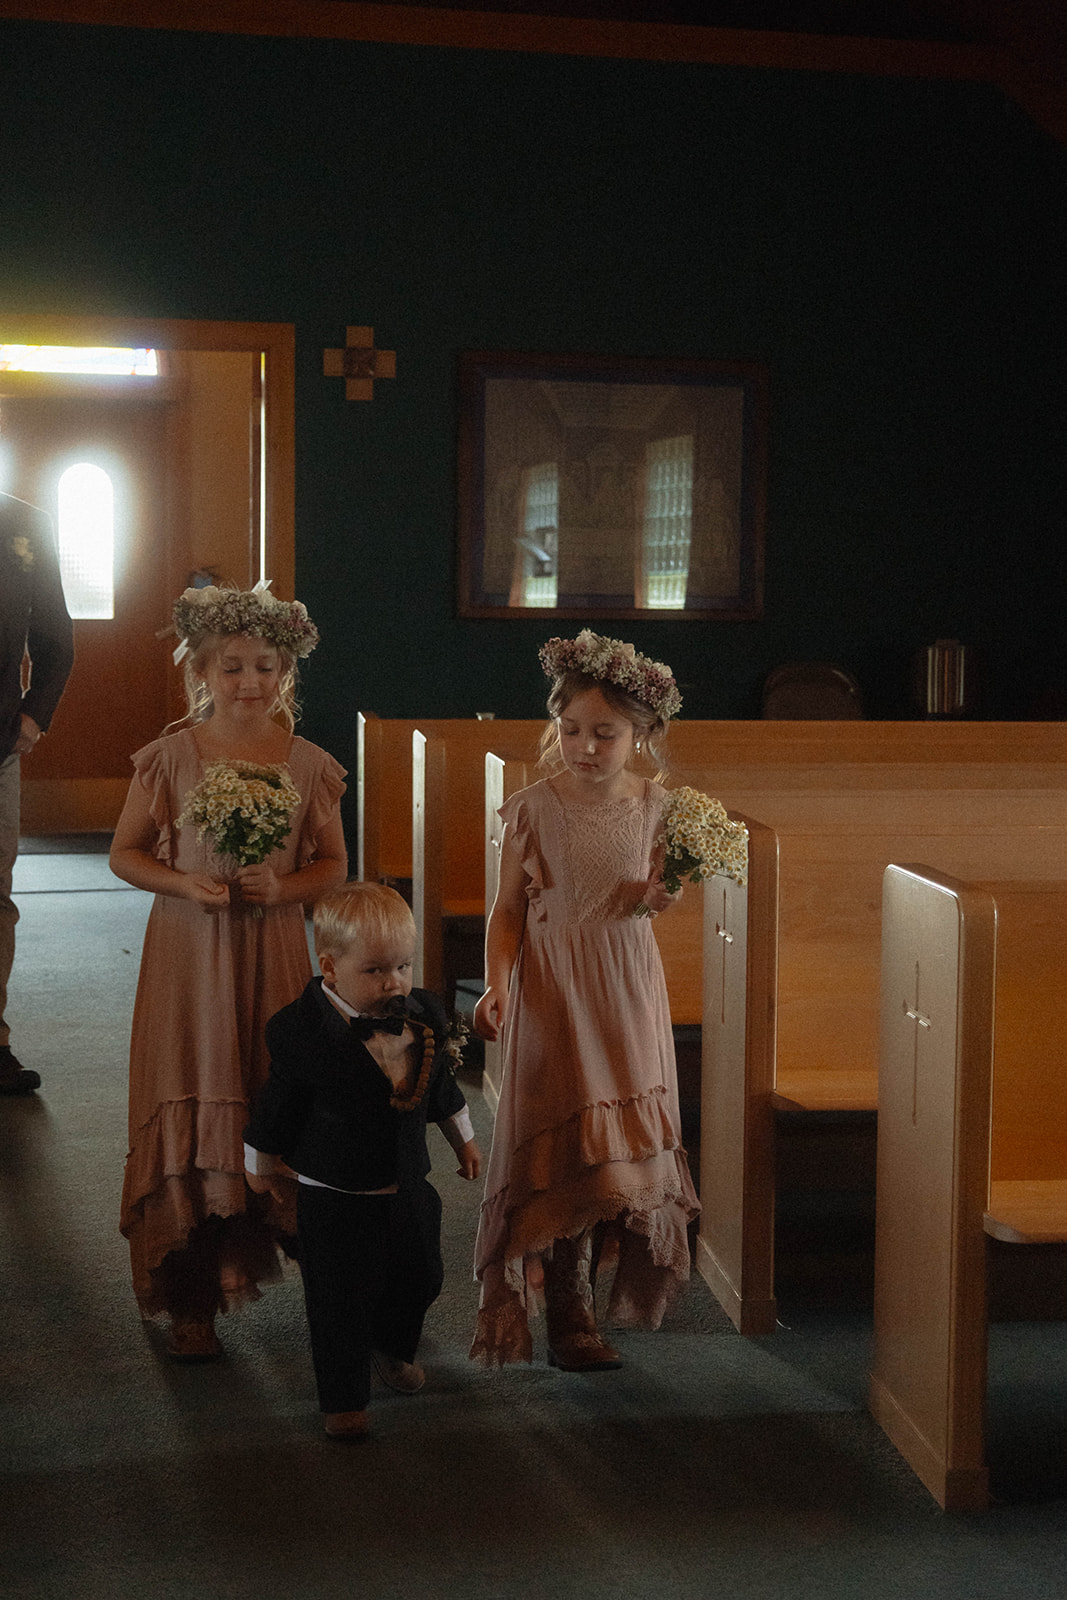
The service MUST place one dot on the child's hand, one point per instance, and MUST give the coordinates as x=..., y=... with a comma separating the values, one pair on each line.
x=259, y=884
x=204, y=890
x=470, y=1160
x=490, y=1014
x=655, y=895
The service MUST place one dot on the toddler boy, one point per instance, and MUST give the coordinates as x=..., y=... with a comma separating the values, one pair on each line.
x=358, y=1067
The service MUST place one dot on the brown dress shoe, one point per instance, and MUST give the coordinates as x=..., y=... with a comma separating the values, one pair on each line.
x=406, y=1377
x=345, y=1425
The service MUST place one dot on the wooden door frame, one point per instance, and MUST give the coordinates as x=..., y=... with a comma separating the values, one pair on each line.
x=275, y=341
x=66, y=805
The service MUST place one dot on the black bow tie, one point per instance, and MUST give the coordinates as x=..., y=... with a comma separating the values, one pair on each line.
x=363, y=1027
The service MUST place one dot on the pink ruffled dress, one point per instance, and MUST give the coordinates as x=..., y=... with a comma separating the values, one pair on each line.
x=587, y=1129
x=209, y=982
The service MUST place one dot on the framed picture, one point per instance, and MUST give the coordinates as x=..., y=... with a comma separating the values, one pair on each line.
x=597, y=487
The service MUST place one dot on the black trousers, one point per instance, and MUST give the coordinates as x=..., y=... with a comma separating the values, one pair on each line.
x=372, y=1267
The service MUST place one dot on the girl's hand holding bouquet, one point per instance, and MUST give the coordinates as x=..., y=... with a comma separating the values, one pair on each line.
x=697, y=841
x=248, y=810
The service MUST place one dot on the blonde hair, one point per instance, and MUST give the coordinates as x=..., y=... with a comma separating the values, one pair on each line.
x=198, y=696
x=358, y=911
x=650, y=729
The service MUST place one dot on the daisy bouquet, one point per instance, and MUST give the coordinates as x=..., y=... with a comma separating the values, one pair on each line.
x=698, y=841
x=247, y=808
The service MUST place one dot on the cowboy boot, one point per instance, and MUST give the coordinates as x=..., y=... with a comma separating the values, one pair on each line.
x=574, y=1345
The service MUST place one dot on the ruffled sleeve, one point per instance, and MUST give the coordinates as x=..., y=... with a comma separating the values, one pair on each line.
x=515, y=812
x=155, y=768
x=325, y=786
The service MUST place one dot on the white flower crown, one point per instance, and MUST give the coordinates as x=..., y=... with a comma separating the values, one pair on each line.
x=651, y=682
x=284, y=623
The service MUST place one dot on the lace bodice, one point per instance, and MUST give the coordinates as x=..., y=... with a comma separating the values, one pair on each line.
x=604, y=853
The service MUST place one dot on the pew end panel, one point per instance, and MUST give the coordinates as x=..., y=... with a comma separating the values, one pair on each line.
x=735, y=1242
x=448, y=855
x=384, y=776
x=972, y=1141
x=383, y=781
x=503, y=778
x=928, y=1372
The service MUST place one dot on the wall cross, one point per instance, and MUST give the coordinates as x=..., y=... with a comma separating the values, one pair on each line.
x=359, y=363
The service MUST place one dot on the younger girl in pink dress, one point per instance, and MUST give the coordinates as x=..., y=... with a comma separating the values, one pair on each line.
x=224, y=949
x=587, y=1161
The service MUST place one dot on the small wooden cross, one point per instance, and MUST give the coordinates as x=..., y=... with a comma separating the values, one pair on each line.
x=727, y=938
x=913, y=1014
x=359, y=363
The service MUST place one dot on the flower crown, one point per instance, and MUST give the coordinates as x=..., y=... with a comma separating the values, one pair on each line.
x=649, y=681
x=284, y=623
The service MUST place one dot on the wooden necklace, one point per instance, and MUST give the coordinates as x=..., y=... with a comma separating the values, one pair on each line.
x=429, y=1050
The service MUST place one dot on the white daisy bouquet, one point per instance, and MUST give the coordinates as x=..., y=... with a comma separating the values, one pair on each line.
x=699, y=841
x=247, y=808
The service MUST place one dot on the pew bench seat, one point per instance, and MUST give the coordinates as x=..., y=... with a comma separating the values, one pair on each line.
x=1028, y=1211
x=829, y=1089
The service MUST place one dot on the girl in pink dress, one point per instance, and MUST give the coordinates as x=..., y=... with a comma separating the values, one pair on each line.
x=224, y=949
x=587, y=1162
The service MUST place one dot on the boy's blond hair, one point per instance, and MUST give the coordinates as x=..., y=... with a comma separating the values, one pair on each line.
x=359, y=911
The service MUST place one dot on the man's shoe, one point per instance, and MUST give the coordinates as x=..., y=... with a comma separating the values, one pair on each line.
x=406, y=1377
x=14, y=1077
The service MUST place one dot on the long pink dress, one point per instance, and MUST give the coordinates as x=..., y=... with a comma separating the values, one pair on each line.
x=209, y=982
x=587, y=1129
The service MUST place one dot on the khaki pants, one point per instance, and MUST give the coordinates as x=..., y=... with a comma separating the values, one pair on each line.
x=9, y=845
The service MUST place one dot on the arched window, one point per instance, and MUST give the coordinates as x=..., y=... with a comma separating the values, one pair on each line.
x=87, y=541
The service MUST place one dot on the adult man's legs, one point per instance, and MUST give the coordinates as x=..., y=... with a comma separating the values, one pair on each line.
x=14, y=1078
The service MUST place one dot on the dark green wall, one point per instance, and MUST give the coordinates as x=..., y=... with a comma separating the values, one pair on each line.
x=892, y=249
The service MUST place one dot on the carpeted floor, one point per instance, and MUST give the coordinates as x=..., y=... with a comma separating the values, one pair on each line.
x=710, y=1465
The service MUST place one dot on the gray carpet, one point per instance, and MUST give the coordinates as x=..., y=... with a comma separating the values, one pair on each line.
x=710, y=1465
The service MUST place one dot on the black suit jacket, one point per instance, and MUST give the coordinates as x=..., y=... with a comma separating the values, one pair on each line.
x=33, y=617
x=325, y=1106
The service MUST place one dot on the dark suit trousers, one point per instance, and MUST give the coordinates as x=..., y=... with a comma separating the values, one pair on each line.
x=372, y=1268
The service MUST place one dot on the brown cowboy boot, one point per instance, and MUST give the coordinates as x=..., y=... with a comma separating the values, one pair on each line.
x=574, y=1345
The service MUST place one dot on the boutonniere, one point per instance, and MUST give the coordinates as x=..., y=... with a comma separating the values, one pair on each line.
x=455, y=1040
x=22, y=550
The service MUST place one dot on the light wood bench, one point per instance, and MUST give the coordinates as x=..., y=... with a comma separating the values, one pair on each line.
x=844, y=799
x=735, y=1242
x=972, y=1147
x=448, y=895
x=1000, y=805
x=383, y=782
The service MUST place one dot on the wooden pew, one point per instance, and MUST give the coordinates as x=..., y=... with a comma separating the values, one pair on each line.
x=998, y=805
x=972, y=1146
x=383, y=782
x=503, y=778
x=448, y=842
x=844, y=799
x=735, y=1243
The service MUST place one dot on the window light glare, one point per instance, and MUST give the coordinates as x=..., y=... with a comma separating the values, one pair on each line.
x=86, y=516
x=98, y=361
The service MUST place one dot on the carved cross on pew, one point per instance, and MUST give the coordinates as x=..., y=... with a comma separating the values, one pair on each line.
x=913, y=1014
x=359, y=363
x=727, y=938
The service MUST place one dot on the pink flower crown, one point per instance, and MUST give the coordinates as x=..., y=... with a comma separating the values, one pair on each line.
x=651, y=682
x=284, y=623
